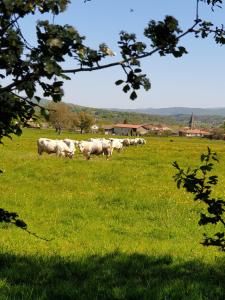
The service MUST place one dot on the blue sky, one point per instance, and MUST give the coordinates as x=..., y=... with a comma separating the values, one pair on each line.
x=195, y=80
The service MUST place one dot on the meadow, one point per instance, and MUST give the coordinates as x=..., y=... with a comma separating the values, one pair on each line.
x=118, y=229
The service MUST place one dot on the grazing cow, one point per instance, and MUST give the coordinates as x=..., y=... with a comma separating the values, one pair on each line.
x=126, y=142
x=133, y=142
x=71, y=144
x=142, y=141
x=138, y=141
x=117, y=144
x=95, y=147
x=75, y=142
x=97, y=140
x=54, y=146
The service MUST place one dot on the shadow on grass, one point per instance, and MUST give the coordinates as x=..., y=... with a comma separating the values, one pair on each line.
x=113, y=276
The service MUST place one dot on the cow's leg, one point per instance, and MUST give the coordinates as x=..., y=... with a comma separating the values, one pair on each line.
x=40, y=150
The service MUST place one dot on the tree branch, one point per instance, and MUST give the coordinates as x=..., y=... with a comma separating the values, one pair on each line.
x=100, y=67
x=119, y=63
x=9, y=87
x=9, y=25
x=28, y=101
x=197, y=10
x=28, y=45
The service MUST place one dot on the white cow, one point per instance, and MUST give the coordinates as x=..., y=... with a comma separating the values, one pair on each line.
x=141, y=141
x=134, y=142
x=53, y=146
x=75, y=142
x=117, y=144
x=71, y=144
x=96, y=140
x=95, y=147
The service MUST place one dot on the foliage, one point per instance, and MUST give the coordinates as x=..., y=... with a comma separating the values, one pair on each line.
x=222, y=126
x=163, y=35
x=26, y=66
x=84, y=121
x=60, y=116
x=218, y=133
x=107, y=116
x=198, y=183
x=14, y=112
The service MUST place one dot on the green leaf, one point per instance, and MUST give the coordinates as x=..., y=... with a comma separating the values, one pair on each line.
x=30, y=92
x=65, y=77
x=118, y=82
x=44, y=112
x=38, y=99
x=138, y=70
x=57, y=84
x=126, y=88
x=133, y=95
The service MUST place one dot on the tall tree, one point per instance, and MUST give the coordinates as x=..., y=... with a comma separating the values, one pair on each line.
x=60, y=116
x=85, y=121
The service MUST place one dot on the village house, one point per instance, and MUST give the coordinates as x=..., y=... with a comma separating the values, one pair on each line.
x=129, y=129
x=194, y=132
x=191, y=131
x=94, y=128
x=108, y=129
x=32, y=124
x=158, y=129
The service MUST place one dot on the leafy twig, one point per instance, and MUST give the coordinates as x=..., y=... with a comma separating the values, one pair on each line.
x=198, y=183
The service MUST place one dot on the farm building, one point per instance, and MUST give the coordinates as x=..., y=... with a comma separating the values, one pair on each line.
x=194, y=132
x=32, y=124
x=129, y=129
x=158, y=129
x=94, y=128
x=191, y=131
x=108, y=129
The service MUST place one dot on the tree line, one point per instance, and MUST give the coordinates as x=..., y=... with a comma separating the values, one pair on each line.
x=61, y=117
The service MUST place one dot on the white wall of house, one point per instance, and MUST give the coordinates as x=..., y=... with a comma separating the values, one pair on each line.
x=141, y=131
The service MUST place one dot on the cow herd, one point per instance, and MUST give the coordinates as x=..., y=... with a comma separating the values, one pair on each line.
x=97, y=146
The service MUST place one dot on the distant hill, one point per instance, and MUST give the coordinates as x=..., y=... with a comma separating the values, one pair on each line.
x=173, y=111
x=204, y=117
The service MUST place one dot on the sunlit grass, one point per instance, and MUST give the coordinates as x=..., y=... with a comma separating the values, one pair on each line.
x=128, y=205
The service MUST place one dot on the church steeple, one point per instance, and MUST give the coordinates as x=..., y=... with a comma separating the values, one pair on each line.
x=191, y=122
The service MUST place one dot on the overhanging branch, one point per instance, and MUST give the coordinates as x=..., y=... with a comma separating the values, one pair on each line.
x=120, y=63
x=29, y=76
x=16, y=83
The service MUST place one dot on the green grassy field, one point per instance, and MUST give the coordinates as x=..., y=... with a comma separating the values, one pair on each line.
x=120, y=229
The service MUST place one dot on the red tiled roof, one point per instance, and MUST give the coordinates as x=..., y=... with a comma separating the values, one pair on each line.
x=107, y=126
x=127, y=126
x=194, y=131
x=159, y=127
x=148, y=126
